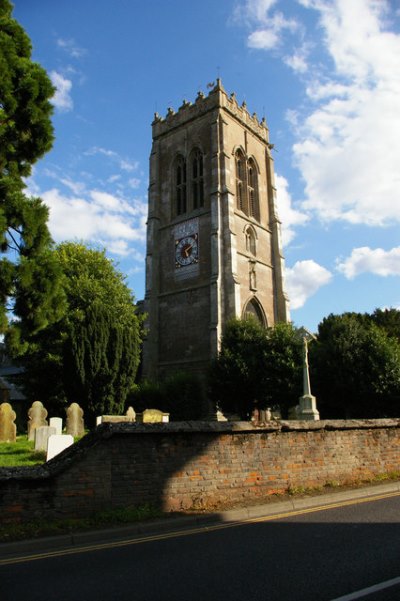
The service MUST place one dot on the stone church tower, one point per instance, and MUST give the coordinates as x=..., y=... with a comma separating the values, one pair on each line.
x=213, y=235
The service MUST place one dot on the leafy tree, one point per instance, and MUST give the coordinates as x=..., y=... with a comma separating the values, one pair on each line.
x=389, y=320
x=29, y=285
x=181, y=395
x=355, y=368
x=256, y=366
x=91, y=355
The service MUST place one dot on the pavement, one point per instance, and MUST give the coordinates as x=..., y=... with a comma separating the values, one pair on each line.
x=177, y=523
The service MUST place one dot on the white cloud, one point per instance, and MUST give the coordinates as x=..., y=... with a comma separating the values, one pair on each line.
x=97, y=217
x=269, y=24
x=348, y=131
x=71, y=48
x=263, y=38
x=368, y=260
x=124, y=163
x=289, y=216
x=349, y=144
x=62, y=98
x=303, y=280
x=76, y=187
x=128, y=165
x=298, y=59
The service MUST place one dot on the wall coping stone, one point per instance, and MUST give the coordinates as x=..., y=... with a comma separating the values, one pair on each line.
x=106, y=430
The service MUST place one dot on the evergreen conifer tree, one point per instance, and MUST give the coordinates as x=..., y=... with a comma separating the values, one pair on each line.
x=29, y=283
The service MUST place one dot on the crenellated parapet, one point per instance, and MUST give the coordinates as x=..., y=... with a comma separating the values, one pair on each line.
x=216, y=99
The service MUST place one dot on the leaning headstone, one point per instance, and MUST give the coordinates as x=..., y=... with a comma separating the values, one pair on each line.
x=56, y=422
x=75, y=425
x=36, y=417
x=42, y=435
x=8, y=430
x=57, y=443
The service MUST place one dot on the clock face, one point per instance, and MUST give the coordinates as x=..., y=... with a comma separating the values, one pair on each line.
x=186, y=251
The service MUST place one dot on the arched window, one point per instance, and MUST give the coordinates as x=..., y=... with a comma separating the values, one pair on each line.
x=247, y=186
x=241, y=201
x=253, y=310
x=197, y=182
x=252, y=187
x=180, y=185
x=250, y=240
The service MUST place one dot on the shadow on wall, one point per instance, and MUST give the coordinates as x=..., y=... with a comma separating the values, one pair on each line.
x=196, y=465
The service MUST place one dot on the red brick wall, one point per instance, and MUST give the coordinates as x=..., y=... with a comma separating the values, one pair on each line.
x=197, y=465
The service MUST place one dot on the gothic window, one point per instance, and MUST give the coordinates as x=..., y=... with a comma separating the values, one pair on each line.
x=241, y=203
x=252, y=187
x=253, y=310
x=180, y=185
x=197, y=180
x=247, y=186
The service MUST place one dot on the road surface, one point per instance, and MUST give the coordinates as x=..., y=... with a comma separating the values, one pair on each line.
x=319, y=554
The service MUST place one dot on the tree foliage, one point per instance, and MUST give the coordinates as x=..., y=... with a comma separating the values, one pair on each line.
x=389, y=320
x=355, y=368
x=181, y=395
x=29, y=284
x=256, y=367
x=91, y=355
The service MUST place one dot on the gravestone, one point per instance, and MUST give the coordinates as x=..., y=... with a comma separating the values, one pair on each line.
x=57, y=443
x=8, y=430
x=131, y=414
x=36, y=417
x=129, y=417
x=75, y=424
x=154, y=416
x=42, y=434
x=56, y=422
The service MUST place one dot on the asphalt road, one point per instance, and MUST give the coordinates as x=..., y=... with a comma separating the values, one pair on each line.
x=319, y=555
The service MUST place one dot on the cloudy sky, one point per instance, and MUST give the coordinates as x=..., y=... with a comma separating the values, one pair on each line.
x=324, y=73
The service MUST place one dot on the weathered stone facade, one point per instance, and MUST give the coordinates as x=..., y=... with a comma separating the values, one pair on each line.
x=213, y=235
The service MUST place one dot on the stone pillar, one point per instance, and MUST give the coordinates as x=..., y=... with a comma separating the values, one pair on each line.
x=307, y=402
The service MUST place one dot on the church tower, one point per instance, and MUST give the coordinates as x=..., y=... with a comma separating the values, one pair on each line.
x=213, y=234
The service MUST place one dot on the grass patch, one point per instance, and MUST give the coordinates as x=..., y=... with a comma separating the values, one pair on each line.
x=101, y=519
x=20, y=453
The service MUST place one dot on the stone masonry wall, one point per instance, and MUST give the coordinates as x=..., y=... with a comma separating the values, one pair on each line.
x=196, y=465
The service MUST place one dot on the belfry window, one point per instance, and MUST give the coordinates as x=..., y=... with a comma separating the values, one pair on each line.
x=241, y=203
x=197, y=182
x=252, y=187
x=180, y=181
x=247, y=186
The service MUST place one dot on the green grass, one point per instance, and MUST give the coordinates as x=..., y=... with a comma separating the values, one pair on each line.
x=20, y=454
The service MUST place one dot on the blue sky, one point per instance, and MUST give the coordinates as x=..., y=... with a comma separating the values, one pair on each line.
x=326, y=75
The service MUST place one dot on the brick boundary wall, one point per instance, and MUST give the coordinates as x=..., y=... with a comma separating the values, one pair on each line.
x=196, y=465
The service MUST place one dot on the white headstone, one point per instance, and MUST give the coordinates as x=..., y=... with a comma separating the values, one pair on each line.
x=99, y=419
x=57, y=443
x=56, y=422
x=42, y=436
